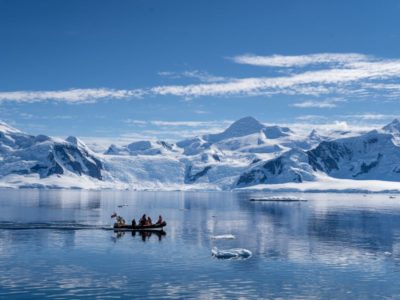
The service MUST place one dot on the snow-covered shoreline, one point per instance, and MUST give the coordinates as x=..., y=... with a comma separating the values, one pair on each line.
x=329, y=185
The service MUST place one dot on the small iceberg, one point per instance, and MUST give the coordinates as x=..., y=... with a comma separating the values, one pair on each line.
x=223, y=237
x=279, y=199
x=238, y=253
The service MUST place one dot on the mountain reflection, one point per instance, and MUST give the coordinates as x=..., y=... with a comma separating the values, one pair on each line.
x=278, y=230
x=54, y=238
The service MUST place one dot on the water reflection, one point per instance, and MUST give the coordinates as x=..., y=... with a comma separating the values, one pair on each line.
x=143, y=234
x=300, y=250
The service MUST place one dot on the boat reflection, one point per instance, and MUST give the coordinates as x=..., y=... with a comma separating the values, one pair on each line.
x=144, y=234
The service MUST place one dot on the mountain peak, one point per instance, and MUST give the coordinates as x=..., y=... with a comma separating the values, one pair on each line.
x=4, y=127
x=77, y=143
x=393, y=127
x=242, y=127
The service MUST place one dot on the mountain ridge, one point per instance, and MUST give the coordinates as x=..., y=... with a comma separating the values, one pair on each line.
x=247, y=154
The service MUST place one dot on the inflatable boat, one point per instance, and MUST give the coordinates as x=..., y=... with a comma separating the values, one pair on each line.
x=154, y=227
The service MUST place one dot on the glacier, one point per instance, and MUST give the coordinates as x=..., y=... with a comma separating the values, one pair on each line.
x=247, y=155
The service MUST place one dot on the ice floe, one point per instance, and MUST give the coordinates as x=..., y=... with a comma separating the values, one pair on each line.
x=239, y=253
x=279, y=198
x=223, y=237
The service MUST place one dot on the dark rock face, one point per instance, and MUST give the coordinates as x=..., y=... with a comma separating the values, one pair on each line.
x=70, y=157
x=216, y=157
x=251, y=178
x=261, y=174
x=166, y=145
x=326, y=155
x=78, y=160
x=365, y=168
x=274, y=166
x=191, y=178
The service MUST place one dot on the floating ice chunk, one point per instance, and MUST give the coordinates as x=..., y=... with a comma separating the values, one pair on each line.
x=387, y=253
x=231, y=253
x=223, y=237
x=278, y=198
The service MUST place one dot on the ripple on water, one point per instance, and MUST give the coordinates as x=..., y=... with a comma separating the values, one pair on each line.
x=325, y=249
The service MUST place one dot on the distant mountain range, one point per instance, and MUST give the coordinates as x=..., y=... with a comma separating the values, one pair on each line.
x=248, y=154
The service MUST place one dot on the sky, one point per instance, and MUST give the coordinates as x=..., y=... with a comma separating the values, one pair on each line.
x=138, y=69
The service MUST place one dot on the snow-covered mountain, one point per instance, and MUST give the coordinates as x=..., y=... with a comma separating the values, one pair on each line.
x=370, y=156
x=393, y=127
x=247, y=154
x=141, y=148
x=23, y=154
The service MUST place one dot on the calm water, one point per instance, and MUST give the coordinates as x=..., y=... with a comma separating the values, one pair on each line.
x=53, y=245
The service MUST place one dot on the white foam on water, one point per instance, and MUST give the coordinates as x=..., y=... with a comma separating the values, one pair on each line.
x=223, y=237
x=236, y=253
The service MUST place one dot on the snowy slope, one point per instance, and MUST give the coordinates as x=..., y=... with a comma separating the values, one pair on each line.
x=23, y=154
x=248, y=154
x=370, y=156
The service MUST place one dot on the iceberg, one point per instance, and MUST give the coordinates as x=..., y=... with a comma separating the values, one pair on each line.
x=235, y=253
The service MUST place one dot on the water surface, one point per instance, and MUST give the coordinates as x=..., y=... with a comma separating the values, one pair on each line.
x=56, y=244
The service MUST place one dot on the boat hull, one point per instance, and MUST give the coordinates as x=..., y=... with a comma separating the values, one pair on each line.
x=155, y=227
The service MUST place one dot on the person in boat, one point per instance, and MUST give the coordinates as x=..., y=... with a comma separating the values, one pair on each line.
x=160, y=220
x=120, y=221
x=134, y=223
x=149, y=222
x=143, y=220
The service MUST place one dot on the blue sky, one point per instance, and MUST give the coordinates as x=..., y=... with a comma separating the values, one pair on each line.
x=137, y=69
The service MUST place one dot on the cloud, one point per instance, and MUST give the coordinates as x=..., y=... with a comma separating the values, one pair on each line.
x=346, y=79
x=70, y=96
x=195, y=74
x=299, y=60
x=372, y=116
x=201, y=112
x=328, y=75
x=190, y=123
x=317, y=104
x=174, y=130
x=310, y=118
x=179, y=123
x=136, y=122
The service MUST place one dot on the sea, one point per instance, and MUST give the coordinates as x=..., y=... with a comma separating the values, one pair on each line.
x=60, y=244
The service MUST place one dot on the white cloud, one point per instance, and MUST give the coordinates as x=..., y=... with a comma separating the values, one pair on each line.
x=308, y=104
x=190, y=123
x=70, y=96
x=315, y=82
x=372, y=116
x=345, y=74
x=298, y=60
x=317, y=103
x=311, y=117
x=195, y=74
x=201, y=112
x=179, y=123
x=136, y=122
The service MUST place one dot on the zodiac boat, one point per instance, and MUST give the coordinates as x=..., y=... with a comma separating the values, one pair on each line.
x=154, y=227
